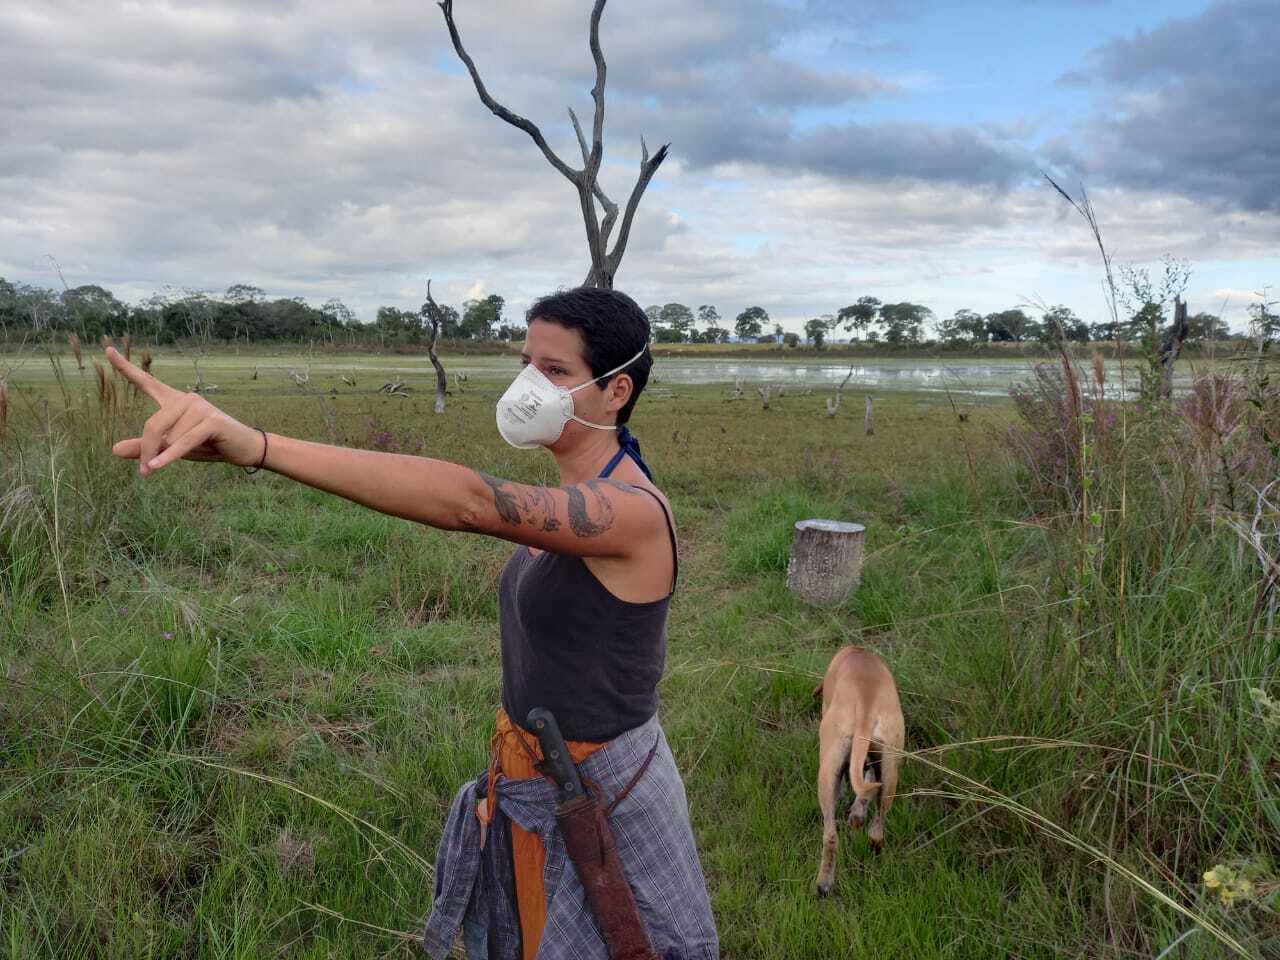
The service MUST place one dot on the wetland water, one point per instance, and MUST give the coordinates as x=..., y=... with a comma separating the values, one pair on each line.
x=973, y=377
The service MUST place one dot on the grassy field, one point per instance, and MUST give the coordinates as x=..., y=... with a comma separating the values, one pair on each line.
x=233, y=711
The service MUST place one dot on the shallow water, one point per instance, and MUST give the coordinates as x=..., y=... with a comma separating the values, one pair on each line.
x=992, y=378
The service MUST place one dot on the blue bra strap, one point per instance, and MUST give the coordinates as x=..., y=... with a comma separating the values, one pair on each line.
x=628, y=446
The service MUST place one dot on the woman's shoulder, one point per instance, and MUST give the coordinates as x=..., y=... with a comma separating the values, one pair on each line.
x=641, y=485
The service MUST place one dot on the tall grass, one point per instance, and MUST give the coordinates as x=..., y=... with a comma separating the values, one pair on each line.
x=1144, y=506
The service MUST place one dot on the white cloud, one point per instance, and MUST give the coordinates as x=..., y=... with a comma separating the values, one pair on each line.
x=337, y=150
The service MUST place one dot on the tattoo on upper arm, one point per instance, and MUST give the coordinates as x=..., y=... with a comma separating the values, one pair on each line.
x=504, y=499
x=590, y=510
x=590, y=520
x=517, y=504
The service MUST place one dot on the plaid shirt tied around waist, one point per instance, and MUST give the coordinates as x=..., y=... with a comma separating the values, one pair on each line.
x=474, y=888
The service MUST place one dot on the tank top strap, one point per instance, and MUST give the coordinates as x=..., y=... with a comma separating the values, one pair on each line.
x=671, y=532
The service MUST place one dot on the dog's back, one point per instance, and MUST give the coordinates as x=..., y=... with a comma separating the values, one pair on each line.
x=861, y=680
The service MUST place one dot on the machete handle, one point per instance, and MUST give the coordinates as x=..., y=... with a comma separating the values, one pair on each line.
x=556, y=762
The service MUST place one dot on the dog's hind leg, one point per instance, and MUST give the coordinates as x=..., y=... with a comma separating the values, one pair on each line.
x=833, y=755
x=889, y=759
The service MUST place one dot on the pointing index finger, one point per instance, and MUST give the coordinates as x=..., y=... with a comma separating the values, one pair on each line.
x=153, y=388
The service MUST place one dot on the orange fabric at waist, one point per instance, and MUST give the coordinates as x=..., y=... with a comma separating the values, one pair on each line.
x=512, y=753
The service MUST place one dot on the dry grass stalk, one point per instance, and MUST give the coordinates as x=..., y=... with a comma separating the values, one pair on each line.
x=126, y=347
x=105, y=341
x=106, y=390
x=146, y=360
x=4, y=407
x=75, y=348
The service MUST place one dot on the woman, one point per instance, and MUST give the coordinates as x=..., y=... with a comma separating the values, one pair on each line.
x=583, y=606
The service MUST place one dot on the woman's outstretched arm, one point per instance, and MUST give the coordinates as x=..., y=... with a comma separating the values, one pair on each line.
x=597, y=518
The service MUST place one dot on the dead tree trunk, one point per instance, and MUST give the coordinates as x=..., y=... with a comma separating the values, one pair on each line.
x=834, y=405
x=604, y=261
x=826, y=560
x=867, y=427
x=434, y=317
x=1172, y=346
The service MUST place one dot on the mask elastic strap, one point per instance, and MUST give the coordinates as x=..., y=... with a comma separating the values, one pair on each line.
x=588, y=423
x=602, y=376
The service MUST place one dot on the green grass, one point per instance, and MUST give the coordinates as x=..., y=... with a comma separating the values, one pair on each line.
x=271, y=778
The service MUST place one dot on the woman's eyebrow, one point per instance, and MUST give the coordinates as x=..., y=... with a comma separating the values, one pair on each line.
x=525, y=356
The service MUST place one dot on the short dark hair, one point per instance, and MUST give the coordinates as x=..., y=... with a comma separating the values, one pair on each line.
x=613, y=327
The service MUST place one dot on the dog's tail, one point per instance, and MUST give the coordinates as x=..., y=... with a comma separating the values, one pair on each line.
x=862, y=789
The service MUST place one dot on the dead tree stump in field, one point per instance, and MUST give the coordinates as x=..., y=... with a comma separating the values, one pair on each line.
x=867, y=427
x=826, y=560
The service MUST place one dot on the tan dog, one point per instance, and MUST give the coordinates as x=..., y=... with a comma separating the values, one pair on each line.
x=862, y=729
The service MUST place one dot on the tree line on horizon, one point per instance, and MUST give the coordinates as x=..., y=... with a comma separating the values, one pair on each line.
x=871, y=320
x=242, y=312
x=245, y=312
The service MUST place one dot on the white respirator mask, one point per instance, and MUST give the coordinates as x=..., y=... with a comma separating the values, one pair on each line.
x=534, y=411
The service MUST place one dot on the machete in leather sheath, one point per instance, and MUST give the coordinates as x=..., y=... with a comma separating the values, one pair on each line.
x=590, y=845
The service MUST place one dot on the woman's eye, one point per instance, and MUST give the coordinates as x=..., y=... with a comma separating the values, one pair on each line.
x=558, y=371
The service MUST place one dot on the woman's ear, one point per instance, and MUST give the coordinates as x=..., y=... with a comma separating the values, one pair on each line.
x=620, y=388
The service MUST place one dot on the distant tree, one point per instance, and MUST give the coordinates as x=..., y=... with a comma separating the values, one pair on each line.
x=1008, y=325
x=903, y=322
x=509, y=332
x=815, y=330
x=338, y=314
x=1206, y=326
x=708, y=316
x=450, y=322
x=716, y=335
x=481, y=317
x=791, y=339
x=964, y=326
x=1105, y=330
x=1060, y=323
x=94, y=310
x=677, y=317
x=244, y=293
x=750, y=322
x=668, y=335
x=858, y=317
x=397, y=326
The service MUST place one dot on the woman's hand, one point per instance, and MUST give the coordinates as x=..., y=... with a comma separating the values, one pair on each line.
x=186, y=426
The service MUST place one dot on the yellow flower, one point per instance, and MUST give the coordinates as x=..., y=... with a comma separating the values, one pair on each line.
x=1211, y=879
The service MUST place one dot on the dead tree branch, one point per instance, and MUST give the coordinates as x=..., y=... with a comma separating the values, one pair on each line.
x=1172, y=346
x=834, y=405
x=604, y=261
x=436, y=317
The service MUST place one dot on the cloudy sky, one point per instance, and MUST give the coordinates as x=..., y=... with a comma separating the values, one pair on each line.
x=821, y=150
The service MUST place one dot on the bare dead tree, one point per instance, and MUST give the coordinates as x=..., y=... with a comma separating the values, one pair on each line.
x=435, y=316
x=604, y=261
x=868, y=428
x=765, y=393
x=1172, y=346
x=834, y=405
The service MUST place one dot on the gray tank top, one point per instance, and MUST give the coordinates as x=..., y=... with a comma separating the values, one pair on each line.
x=572, y=647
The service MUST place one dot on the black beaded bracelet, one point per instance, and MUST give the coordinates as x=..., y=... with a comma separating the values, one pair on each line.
x=264, y=453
